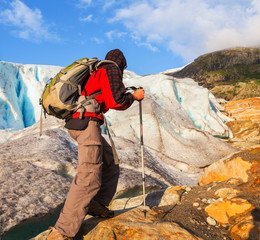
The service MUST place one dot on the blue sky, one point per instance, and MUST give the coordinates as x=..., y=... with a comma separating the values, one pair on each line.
x=155, y=35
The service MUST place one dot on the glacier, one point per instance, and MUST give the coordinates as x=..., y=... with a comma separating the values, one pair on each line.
x=189, y=104
x=20, y=90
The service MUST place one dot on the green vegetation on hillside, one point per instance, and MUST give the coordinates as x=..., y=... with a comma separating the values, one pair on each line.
x=237, y=90
x=238, y=73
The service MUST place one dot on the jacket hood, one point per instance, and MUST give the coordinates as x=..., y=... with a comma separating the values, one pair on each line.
x=117, y=56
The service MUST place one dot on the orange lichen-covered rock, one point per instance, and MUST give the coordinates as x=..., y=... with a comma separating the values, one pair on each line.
x=225, y=170
x=171, y=196
x=245, y=129
x=133, y=225
x=243, y=165
x=244, y=228
x=246, y=122
x=223, y=211
x=246, y=109
x=227, y=192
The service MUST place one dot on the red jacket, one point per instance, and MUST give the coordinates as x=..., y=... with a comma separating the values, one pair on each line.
x=108, y=80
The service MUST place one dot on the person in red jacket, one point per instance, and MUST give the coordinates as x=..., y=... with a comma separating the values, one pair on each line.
x=95, y=183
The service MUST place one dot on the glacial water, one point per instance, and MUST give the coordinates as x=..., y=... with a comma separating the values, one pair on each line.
x=32, y=227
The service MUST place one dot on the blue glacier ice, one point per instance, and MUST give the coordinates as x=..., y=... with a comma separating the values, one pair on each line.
x=20, y=90
x=177, y=104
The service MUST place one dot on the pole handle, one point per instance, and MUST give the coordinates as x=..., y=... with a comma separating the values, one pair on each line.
x=133, y=88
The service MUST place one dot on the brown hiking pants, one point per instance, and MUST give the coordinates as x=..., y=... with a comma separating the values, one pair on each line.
x=96, y=178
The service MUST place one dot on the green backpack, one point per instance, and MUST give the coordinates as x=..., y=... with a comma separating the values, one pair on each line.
x=61, y=93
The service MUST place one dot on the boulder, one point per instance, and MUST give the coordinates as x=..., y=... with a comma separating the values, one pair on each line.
x=133, y=225
x=226, y=169
x=238, y=205
x=224, y=210
x=243, y=166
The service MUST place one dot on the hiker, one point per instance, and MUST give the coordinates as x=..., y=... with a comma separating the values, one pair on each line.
x=96, y=180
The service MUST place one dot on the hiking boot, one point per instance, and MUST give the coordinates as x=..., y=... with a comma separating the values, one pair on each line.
x=56, y=235
x=97, y=209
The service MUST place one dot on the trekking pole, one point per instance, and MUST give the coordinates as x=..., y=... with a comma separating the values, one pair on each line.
x=142, y=144
x=142, y=152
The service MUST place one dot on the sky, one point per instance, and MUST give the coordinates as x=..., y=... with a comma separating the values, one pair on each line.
x=154, y=35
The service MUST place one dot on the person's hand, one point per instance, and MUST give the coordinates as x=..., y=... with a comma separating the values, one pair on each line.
x=139, y=94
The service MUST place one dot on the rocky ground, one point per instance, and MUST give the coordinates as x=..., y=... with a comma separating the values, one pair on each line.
x=223, y=205
x=36, y=172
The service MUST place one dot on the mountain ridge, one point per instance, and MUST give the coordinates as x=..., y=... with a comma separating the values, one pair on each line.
x=232, y=73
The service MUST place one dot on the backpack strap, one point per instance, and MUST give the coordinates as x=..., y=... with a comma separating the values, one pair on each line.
x=68, y=82
x=86, y=102
x=90, y=97
x=112, y=143
x=108, y=61
x=90, y=63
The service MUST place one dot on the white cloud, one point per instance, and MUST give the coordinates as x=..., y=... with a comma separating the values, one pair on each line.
x=89, y=18
x=138, y=41
x=111, y=35
x=192, y=27
x=100, y=4
x=97, y=40
x=108, y=3
x=28, y=24
x=84, y=3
